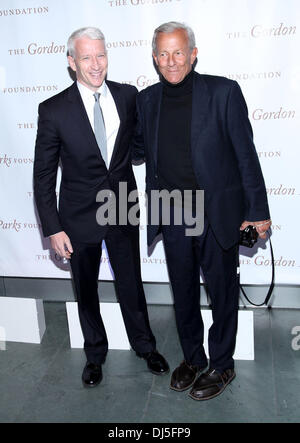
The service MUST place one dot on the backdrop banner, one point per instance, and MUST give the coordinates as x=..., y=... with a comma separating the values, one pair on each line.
x=251, y=41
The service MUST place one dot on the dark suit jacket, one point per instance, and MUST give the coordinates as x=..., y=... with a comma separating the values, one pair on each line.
x=65, y=134
x=224, y=158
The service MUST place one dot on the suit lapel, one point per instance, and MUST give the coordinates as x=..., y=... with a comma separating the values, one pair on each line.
x=119, y=100
x=200, y=103
x=154, y=105
x=80, y=118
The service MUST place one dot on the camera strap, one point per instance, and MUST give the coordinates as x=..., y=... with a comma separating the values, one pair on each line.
x=268, y=296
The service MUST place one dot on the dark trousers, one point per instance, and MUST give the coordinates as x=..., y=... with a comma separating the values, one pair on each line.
x=124, y=255
x=185, y=255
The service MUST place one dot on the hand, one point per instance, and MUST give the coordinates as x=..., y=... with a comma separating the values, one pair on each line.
x=260, y=226
x=61, y=243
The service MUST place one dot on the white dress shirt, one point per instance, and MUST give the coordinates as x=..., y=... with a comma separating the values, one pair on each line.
x=109, y=111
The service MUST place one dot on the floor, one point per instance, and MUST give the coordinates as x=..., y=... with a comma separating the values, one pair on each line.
x=42, y=383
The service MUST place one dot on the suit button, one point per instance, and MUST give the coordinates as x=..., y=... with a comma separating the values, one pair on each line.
x=156, y=176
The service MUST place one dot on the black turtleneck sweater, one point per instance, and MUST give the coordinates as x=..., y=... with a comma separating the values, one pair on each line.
x=174, y=138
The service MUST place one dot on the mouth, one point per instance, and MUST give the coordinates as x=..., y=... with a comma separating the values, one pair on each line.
x=96, y=74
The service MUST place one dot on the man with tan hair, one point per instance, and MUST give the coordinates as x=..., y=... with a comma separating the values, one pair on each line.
x=194, y=134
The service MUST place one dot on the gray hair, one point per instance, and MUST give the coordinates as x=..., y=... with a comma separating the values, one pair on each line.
x=169, y=27
x=89, y=32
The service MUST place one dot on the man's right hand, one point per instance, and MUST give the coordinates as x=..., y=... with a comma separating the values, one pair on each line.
x=61, y=244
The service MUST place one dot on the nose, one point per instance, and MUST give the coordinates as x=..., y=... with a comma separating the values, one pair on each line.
x=95, y=63
x=171, y=60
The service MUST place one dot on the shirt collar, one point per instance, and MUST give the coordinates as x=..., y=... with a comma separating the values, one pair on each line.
x=88, y=93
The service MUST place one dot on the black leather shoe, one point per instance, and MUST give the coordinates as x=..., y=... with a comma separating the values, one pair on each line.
x=184, y=376
x=156, y=362
x=92, y=375
x=211, y=383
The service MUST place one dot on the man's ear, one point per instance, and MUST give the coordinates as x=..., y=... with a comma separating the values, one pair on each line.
x=72, y=63
x=194, y=55
x=155, y=58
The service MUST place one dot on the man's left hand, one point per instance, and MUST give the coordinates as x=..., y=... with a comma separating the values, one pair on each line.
x=260, y=226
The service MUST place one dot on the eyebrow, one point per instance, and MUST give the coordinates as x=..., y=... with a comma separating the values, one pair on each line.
x=175, y=50
x=88, y=55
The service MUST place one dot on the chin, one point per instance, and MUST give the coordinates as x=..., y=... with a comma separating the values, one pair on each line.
x=173, y=80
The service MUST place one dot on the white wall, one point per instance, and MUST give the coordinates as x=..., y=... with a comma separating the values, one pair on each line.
x=252, y=41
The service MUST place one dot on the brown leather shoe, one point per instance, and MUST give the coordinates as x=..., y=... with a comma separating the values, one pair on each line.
x=184, y=376
x=211, y=383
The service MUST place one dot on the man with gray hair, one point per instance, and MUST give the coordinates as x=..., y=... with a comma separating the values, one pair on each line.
x=194, y=134
x=88, y=128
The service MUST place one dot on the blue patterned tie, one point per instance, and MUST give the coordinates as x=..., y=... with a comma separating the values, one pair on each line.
x=99, y=128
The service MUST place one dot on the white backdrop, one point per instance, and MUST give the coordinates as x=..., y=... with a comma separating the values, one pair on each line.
x=255, y=42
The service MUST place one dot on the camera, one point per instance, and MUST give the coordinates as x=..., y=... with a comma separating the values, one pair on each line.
x=248, y=237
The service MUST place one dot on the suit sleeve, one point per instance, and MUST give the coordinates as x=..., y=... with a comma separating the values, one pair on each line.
x=138, y=148
x=47, y=151
x=241, y=135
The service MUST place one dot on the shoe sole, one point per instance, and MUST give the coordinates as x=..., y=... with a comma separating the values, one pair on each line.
x=91, y=386
x=189, y=386
x=160, y=373
x=215, y=395
x=183, y=389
